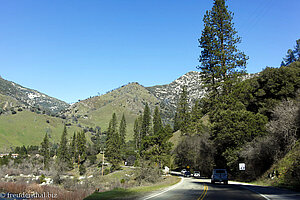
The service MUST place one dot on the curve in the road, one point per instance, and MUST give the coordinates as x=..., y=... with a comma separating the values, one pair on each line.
x=203, y=189
x=157, y=194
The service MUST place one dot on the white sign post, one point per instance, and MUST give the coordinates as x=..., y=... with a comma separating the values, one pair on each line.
x=242, y=166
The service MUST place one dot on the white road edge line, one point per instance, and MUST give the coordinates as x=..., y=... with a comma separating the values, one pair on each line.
x=170, y=188
x=256, y=192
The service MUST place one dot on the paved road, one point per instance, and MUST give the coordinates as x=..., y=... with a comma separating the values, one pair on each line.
x=202, y=189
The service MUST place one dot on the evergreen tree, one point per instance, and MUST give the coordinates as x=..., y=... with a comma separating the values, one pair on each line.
x=137, y=132
x=73, y=148
x=282, y=64
x=297, y=49
x=195, y=124
x=145, y=128
x=221, y=62
x=181, y=120
x=82, y=169
x=113, y=144
x=81, y=146
x=122, y=130
x=63, y=152
x=157, y=123
x=45, y=151
x=176, y=126
x=196, y=113
x=290, y=57
x=231, y=130
x=156, y=147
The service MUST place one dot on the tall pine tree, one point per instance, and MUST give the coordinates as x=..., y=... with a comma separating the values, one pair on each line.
x=137, y=132
x=63, y=155
x=45, y=151
x=196, y=125
x=122, y=130
x=81, y=146
x=156, y=147
x=221, y=62
x=297, y=49
x=145, y=128
x=182, y=115
x=157, y=123
x=113, y=144
x=290, y=57
x=73, y=148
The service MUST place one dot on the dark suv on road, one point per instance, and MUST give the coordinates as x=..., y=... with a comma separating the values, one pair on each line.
x=219, y=175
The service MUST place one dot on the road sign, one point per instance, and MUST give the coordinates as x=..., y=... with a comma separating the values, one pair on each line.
x=242, y=166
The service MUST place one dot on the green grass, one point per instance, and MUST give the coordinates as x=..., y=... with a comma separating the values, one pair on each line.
x=129, y=100
x=111, y=194
x=175, y=139
x=28, y=128
x=132, y=192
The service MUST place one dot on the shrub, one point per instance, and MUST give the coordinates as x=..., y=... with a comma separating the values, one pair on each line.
x=106, y=171
x=82, y=169
x=92, y=159
x=122, y=181
x=57, y=179
x=42, y=179
x=148, y=173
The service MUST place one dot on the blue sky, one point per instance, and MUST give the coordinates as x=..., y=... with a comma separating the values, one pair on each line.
x=75, y=49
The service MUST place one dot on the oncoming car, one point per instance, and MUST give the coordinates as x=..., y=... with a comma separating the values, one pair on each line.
x=183, y=171
x=197, y=174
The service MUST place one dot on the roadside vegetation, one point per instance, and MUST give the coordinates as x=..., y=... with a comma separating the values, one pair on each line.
x=76, y=162
x=120, y=193
x=243, y=119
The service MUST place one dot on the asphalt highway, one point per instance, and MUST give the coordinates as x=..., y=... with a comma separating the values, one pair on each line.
x=202, y=189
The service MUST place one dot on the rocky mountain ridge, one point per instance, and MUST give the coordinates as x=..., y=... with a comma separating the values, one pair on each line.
x=168, y=94
x=22, y=96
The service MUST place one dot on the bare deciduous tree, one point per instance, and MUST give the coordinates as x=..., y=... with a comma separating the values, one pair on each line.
x=284, y=126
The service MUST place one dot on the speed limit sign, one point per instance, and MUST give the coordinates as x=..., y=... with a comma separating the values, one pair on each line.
x=242, y=166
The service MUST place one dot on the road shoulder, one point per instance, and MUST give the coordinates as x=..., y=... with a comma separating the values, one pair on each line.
x=269, y=192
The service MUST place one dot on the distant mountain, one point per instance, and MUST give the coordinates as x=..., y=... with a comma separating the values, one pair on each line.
x=168, y=94
x=90, y=114
x=12, y=93
x=131, y=99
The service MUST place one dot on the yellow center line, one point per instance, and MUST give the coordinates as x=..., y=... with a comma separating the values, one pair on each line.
x=203, y=193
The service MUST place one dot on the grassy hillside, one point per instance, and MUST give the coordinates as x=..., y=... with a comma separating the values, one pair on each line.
x=29, y=128
x=97, y=111
x=288, y=169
